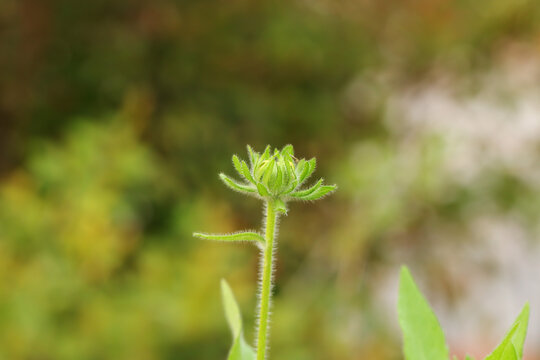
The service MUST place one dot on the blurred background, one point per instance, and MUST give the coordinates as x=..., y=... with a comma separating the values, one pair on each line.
x=116, y=116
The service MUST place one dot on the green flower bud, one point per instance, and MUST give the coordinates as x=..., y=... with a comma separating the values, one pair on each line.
x=278, y=177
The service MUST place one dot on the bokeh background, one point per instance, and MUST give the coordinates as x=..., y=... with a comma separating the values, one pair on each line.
x=117, y=115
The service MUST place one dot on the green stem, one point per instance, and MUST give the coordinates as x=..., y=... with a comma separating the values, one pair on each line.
x=266, y=285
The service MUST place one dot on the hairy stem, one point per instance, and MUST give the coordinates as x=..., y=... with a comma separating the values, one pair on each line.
x=266, y=284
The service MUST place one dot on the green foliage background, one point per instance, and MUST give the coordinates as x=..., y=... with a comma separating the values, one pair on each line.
x=116, y=116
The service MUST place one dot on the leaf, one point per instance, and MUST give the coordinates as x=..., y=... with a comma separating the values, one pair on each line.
x=246, y=189
x=505, y=351
x=514, y=339
x=239, y=236
x=240, y=350
x=423, y=338
x=522, y=322
x=232, y=312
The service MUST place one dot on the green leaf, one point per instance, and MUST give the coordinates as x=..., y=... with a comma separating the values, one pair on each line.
x=514, y=340
x=522, y=322
x=423, y=338
x=240, y=350
x=232, y=311
x=239, y=236
x=505, y=351
x=468, y=357
x=236, y=186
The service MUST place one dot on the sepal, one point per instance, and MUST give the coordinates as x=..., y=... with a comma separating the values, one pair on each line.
x=281, y=206
x=253, y=156
x=320, y=192
x=236, y=186
x=309, y=168
x=308, y=191
x=315, y=192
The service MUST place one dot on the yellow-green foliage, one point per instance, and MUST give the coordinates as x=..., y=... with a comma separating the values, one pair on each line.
x=81, y=275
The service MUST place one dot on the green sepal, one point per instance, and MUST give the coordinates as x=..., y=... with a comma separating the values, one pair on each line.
x=301, y=167
x=246, y=173
x=290, y=188
x=266, y=154
x=423, y=338
x=308, y=191
x=286, y=175
x=268, y=177
x=236, y=186
x=307, y=171
x=289, y=169
x=281, y=206
x=240, y=350
x=242, y=168
x=288, y=150
x=317, y=193
x=253, y=156
x=263, y=191
x=261, y=169
x=277, y=177
x=239, y=236
x=513, y=341
x=237, y=164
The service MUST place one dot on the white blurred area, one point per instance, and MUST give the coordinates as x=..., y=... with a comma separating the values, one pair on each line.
x=490, y=262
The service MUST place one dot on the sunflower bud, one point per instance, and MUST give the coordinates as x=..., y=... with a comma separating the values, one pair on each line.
x=277, y=176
